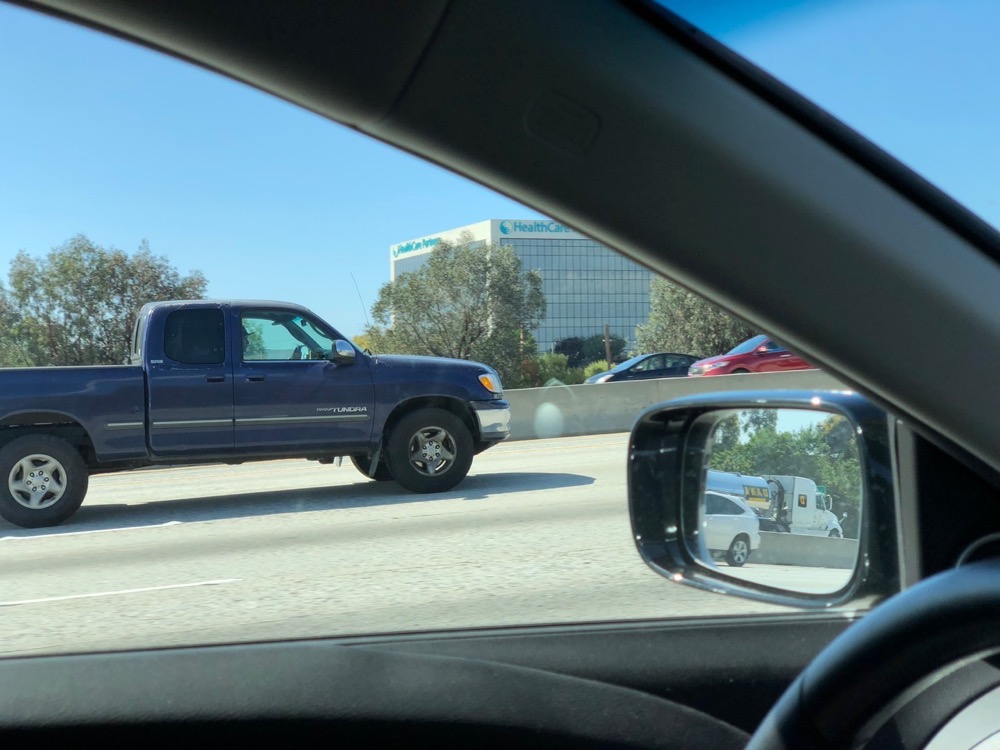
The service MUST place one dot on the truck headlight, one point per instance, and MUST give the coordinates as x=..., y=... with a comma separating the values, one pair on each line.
x=491, y=382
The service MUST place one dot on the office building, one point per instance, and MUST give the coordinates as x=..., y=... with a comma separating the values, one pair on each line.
x=586, y=285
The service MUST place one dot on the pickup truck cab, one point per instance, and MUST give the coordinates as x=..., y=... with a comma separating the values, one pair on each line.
x=213, y=381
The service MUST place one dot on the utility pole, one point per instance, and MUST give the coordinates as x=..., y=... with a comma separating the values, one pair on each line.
x=607, y=345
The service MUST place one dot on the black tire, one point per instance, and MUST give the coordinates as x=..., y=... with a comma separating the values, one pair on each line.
x=43, y=481
x=429, y=450
x=363, y=463
x=739, y=551
x=740, y=371
x=835, y=534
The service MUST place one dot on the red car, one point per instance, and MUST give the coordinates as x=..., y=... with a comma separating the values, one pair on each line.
x=759, y=354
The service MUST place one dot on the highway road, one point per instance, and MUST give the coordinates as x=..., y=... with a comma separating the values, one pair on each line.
x=537, y=534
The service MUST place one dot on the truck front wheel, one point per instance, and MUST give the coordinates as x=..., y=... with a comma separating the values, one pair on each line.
x=429, y=450
x=43, y=481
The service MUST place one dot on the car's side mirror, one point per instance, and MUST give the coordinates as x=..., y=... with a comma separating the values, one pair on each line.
x=727, y=492
x=343, y=353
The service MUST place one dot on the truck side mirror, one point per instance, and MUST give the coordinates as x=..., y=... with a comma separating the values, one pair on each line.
x=343, y=353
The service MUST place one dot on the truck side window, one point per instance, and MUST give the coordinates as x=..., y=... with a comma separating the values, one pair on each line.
x=276, y=335
x=195, y=337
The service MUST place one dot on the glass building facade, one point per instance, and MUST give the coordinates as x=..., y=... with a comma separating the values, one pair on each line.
x=586, y=285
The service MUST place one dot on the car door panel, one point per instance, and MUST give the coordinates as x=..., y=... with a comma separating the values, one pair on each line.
x=284, y=402
x=751, y=666
x=732, y=669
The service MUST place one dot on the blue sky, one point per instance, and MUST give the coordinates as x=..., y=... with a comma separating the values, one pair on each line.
x=918, y=77
x=109, y=140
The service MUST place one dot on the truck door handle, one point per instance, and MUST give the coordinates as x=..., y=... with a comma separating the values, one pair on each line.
x=255, y=378
x=216, y=378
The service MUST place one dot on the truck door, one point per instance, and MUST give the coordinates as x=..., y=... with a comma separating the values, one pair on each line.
x=289, y=396
x=807, y=512
x=807, y=502
x=191, y=386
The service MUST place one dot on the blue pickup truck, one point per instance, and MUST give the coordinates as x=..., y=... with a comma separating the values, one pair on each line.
x=210, y=381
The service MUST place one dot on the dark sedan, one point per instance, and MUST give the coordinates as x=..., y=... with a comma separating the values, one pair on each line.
x=646, y=367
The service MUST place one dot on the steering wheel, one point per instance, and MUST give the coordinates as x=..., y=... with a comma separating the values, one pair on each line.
x=881, y=662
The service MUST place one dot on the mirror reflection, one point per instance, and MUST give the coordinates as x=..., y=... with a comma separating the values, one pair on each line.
x=782, y=499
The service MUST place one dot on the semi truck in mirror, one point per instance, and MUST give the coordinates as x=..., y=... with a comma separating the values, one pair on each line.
x=783, y=503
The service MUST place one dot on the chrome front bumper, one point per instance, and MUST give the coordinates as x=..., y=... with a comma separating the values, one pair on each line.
x=494, y=420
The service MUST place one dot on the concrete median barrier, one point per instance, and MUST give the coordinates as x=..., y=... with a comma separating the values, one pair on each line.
x=568, y=410
x=802, y=549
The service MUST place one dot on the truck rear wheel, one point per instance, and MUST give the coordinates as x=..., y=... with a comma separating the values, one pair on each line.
x=363, y=464
x=429, y=450
x=43, y=481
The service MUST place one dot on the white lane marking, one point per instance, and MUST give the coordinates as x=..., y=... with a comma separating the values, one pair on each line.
x=119, y=593
x=91, y=531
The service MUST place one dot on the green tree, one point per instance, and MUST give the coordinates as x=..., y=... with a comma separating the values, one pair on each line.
x=467, y=301
x=77, y=306
x=595, y=368
x=555, y=367
x=681, y=321
x=362, y=341
x=593, y=348
x=571, y=347
x=13, y=348
x=757, y=420
x=725, y=438
x=581, y=351
x=825, y=452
